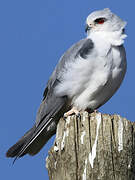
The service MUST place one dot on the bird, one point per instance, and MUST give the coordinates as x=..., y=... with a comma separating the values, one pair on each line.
x=85, y=78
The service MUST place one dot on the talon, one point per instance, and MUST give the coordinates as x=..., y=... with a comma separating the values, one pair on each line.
x=64, y=117
x=95, y=111
x=89, y=110
x=78, y=116
x=72, y=111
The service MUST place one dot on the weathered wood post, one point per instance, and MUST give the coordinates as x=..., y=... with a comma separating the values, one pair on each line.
x=94, y=147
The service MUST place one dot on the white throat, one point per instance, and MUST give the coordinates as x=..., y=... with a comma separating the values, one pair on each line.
x=115, y=38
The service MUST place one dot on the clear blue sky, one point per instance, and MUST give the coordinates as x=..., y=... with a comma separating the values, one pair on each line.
x=33, y=36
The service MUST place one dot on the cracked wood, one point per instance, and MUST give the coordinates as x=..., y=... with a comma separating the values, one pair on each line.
x=107, y=151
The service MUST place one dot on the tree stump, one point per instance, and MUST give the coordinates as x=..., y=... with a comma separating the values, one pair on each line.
x=93, y=147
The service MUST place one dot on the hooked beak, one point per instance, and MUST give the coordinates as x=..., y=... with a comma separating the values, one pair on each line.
x=87, y=28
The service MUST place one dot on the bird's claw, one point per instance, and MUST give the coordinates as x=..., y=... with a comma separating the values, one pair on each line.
x=78, y=115
x=64, y=117
x=72, y=111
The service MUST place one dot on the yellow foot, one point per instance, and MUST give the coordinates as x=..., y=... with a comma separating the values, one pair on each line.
x=72, y=111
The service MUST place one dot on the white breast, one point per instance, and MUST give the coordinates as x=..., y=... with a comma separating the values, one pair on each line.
x=91, y=82
x=103, y=81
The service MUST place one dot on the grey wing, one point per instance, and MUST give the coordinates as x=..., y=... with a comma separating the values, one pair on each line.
x=82, y=49
x=52, y=106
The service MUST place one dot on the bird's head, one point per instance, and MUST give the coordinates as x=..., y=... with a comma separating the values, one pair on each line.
x=104, y=20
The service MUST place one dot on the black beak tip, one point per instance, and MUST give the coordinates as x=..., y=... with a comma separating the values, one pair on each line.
x=87, y=28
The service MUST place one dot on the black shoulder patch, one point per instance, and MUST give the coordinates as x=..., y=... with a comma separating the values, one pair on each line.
x=85, y=49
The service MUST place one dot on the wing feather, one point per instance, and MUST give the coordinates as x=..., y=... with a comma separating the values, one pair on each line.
x=53, y=106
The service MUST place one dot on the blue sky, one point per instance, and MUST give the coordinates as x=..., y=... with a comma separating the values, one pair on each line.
x=33, y=36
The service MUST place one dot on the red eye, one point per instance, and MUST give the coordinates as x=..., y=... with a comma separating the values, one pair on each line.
x=100, y=20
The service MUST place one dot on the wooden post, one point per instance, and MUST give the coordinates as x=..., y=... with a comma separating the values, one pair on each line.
x=93, y=147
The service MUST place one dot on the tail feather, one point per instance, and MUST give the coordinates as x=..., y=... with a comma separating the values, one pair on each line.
x=42, y=137
x=16, y=148
x=42, y=131
x=38, y=138
x=33, y=140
